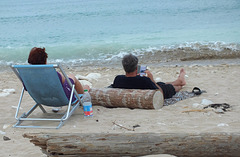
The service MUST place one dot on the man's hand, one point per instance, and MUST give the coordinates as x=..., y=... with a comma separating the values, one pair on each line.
x=149, y=74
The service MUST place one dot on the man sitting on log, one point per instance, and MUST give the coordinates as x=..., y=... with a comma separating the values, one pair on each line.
x=132, y=80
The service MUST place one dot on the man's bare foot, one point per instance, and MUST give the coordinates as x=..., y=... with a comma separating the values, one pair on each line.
x=182, y=72
x=180, y=80
x=182, y=77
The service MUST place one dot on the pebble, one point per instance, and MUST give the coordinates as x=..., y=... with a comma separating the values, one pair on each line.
x=90, y=77
x=6, y=92
x=5, y=138
x=197, y=105
x=5, y=126
x=85, y=82
x=2, y=133
x=93, y=76
x=219, y=110
x=158, y=79
x=222, y=124
x=206, y=102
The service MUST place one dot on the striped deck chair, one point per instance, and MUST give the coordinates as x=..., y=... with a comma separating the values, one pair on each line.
x=44, y=86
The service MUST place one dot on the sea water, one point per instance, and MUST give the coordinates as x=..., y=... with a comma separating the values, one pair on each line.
x=83, y=31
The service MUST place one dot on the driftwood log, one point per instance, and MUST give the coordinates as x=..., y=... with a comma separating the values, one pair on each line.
x=138, y=144
x=130, y=98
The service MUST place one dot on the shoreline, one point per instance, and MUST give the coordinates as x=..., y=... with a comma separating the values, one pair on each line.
x=187, y=53
x=117, y=64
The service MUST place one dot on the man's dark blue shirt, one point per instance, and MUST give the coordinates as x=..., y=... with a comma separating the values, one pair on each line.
x=137, y=82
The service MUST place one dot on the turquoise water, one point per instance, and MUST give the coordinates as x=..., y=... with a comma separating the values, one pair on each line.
x=78, y=30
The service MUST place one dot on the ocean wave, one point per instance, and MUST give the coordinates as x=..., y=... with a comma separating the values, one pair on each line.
x=165, y=53
x=185, y=51
x=188, y=51
x=217, y=46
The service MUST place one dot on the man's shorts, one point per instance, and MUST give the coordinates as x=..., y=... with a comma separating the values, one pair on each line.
x=168, y=89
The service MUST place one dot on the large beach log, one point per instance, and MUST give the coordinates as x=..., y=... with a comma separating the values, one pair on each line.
x=130, y=98
x=137, y=144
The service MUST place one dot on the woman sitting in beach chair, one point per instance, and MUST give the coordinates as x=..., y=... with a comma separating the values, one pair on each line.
x=39, y=56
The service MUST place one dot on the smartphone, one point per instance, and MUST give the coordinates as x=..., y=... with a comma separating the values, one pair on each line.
x=141, y=69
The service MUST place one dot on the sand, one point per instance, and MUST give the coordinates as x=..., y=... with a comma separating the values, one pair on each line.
x=221, y=82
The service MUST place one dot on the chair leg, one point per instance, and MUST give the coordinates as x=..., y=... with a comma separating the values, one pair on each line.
x=67, y=115
x=25, y=115
x=41, y=107
x=32, y=109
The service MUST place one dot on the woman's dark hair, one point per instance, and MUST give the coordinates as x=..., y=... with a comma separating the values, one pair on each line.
x=37, y=56
x=130, y=63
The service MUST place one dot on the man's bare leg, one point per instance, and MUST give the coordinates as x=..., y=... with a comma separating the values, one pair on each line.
x=180, y=81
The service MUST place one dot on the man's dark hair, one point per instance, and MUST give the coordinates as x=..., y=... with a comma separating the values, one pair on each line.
x=129, y=63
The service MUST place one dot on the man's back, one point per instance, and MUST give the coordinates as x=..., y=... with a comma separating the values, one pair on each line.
x=137, y=82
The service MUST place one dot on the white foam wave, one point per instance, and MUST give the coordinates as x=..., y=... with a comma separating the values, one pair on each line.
x=110, y=55
x=217, y=46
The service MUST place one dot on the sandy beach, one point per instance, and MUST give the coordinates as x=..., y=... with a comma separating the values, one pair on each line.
x=221, y=81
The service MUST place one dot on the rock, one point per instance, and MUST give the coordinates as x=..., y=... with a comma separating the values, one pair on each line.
x=206, y=102
x=93, y=76
x=2, y=94
x=90, y=77
x=158, y=79
x=6, y=92
x=5, y=126
x=197, y=105
x=5, y=138
x=11, y=90
x=85, y=82
x=219, y=110
x=80, y=77
x=222, y=124
x=2, y=133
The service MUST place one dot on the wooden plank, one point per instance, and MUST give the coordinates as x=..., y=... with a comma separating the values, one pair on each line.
x=138, y=144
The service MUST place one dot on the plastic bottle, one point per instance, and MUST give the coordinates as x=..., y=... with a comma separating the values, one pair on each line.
x=87, y=105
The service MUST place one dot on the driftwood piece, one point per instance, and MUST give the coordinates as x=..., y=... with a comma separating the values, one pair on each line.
x=130, y=98
x=138, y=144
